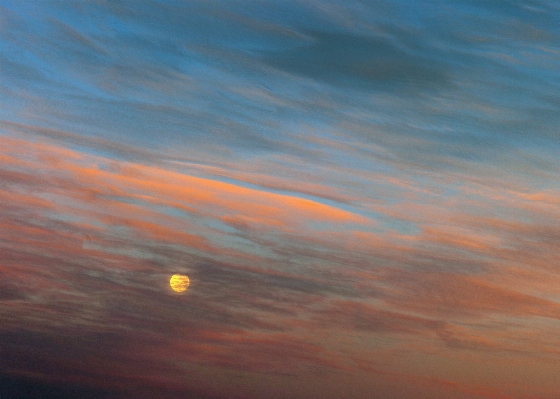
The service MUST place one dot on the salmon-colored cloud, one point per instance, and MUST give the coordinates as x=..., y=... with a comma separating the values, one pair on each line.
x=138, y=181
x=279, y=282
x=454, y=294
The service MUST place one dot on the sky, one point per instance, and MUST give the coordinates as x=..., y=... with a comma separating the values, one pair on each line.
x=363, y=194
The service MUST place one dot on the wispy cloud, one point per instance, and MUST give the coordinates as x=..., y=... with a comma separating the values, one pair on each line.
x=364, y=197
x=93, y=240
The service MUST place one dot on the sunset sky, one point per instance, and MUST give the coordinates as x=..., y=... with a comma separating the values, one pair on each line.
x=365, y=196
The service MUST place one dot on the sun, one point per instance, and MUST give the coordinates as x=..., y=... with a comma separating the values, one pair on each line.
x=179, y=282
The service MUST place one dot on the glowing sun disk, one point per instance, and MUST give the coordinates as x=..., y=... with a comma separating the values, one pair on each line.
x=179, y=282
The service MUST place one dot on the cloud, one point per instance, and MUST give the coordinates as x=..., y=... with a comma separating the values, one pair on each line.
x=179, y=70
x=28, y=388
x=357, y=62
x=89, y=244
x=93, y=240
x=352, y=189
x=451, y=295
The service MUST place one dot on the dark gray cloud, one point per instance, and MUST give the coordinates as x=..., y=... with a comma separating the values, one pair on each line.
x=359, y=62
x=23, y=387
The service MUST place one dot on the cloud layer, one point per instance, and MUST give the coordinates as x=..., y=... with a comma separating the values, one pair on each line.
x=365, y=199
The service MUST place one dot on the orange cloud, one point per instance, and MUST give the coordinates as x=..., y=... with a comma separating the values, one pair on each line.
x=160, y=186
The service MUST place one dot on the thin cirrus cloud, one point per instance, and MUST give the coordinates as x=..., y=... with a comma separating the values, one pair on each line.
x=363, y=195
